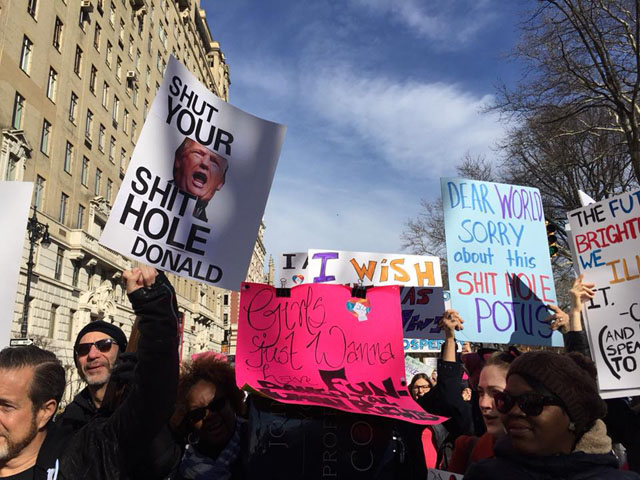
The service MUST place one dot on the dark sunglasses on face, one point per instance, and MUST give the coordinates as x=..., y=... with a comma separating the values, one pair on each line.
x=103, y=345
x=530, y=403
x=197, y=414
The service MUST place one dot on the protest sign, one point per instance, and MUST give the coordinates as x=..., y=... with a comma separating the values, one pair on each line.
x=413, y=366
x=500, y=274
x=606, y=243
x=195, y=192
x=13, y=225
x=321, y=346
x=292, y=269
x=424, y=345
x=435, y=474
x=335, y=266
x=422, y=308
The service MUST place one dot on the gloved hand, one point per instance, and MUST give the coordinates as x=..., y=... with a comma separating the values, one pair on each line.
x=123, y=372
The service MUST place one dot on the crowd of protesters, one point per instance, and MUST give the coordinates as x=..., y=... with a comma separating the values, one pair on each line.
x=510, y=415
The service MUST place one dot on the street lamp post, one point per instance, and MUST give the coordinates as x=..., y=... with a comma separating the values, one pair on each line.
x=38, y=232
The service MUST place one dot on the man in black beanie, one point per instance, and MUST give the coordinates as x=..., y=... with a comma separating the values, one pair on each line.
x=95, y=353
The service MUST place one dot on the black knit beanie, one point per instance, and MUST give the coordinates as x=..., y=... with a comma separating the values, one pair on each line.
x=571, y=377
x=107, y=328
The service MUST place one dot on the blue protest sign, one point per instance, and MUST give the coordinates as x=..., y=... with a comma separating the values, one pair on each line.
x=500, y=274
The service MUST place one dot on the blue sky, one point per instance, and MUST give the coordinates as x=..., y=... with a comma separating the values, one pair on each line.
x=381, y=99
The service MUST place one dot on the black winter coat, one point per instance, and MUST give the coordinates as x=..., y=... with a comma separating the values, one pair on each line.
x=110, y=448
x=592, y=462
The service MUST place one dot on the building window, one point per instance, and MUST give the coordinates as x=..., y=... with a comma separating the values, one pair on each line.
x=149, y=42
x=137, y=61
x=101, y=135
x=80, y=219
x=130, y=49
x=68, y=157
x=75, y=277
x=10, y=172
x=38, y=194
x=109, y=190
x=57, y=34
x=18, y=111
x=134, y=128
x=72, y=313
x=118, y=68
x=25, y=54
x=105, y=95
x=112, y=150
x=73, y=108
x=145, y=110
x=32, y=7
x=52, y=84
x=225, y=300
x=59, y=262
x=88, y=126
x=116, y=107
x=135, y=94
x=52, y=316
x=85, y=171
x=77, y=63
x=125, y=121
x=96, y=187
x=44, y=138
x=123, y=159
x=112, y=14
x=97, y=34
x=147, y=79
x=121, y=33
x=109, y=55
x=62, y=211
x=93, y=79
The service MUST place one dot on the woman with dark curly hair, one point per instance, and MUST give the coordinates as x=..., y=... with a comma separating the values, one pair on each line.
x=207, y=419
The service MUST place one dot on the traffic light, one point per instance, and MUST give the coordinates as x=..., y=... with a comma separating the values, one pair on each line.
x=552, y=239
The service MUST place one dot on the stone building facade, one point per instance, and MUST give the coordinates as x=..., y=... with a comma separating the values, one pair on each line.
x=77, y=78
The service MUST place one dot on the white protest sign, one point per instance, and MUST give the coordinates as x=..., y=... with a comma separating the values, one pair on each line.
x=292, y=268
x=422, y=307
x=413, y=366
x=13, y=225
x=195, y=191
x=606, y=243
x=378, y=269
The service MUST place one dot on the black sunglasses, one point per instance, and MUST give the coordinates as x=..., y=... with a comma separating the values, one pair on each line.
x=197, y=414
x=530, y=403
x=103, y=345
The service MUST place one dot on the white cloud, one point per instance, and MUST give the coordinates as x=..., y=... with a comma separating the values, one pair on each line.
x=451, y=23
x=419, y=127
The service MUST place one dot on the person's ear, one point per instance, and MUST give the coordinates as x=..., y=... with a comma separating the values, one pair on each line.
x=46, y=412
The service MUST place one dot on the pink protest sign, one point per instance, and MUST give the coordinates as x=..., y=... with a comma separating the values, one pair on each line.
x=321, y=346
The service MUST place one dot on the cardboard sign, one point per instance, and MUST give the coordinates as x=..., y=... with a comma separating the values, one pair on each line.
x=422, y=307
x=195, y=191
x=606, y=243
x=16, y=198
x=500, y=274
x=380, y=269
x=321, y=346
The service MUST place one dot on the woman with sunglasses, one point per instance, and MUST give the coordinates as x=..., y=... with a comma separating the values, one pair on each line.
x=552, y=412
x=207, y=419
x=492, y=380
